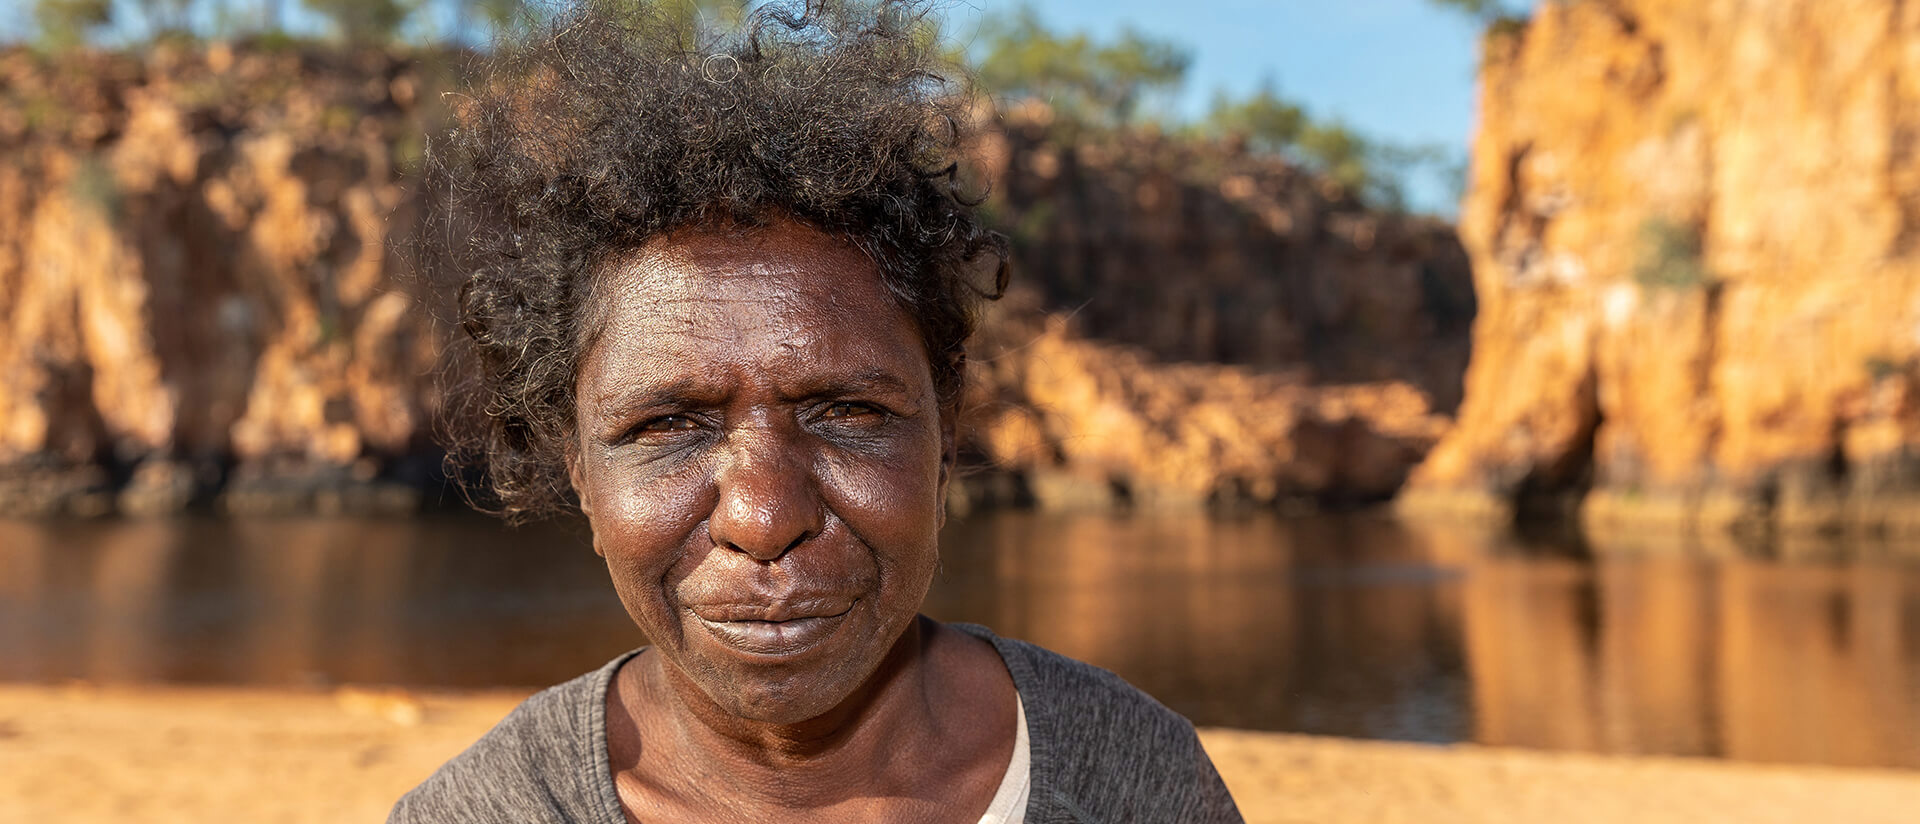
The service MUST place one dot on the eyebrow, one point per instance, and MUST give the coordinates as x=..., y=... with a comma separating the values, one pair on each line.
x=680, y=393
x=871, y=380
x=691, y=392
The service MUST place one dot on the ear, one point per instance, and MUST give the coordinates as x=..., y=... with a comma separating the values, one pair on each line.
x=949, y=455
x=577, y=479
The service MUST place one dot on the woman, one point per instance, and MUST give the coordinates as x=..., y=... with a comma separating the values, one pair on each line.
x=723, y=308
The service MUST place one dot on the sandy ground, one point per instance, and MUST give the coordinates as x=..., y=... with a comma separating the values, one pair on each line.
x=89, y=754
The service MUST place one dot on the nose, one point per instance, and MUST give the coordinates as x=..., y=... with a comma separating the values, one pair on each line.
x=768, y=502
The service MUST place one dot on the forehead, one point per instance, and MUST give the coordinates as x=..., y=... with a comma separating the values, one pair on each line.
x=784, y=268
x=783, y=295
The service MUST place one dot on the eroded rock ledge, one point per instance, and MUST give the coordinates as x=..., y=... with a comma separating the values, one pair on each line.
x=204, y=302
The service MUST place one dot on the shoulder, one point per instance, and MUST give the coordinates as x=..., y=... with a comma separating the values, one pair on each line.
x=1102, y=707
x=1102, y=750
x=542, y=763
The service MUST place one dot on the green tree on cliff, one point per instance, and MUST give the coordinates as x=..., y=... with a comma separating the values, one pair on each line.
x=510, y=16
x=1094, y=84
x=365, y=21
x=165, y=17
x=66, y=23
x=1270, y=123
x=1265, y=120
x=1083, y=80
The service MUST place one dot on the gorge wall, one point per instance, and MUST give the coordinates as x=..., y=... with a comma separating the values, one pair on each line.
x=206, y=300
x=199, y=258
x=1196, y=325
x=1695, y=234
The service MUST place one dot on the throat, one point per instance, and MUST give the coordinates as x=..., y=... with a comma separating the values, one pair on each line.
x=679, y=730
x=942, y=699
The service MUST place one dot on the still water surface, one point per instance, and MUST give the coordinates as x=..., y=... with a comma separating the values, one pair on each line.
x=1352, y=626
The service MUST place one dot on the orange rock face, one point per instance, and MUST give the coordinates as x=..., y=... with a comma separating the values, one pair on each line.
x=205, y=261
x=1282, y=344
x=1089, y=424
x=1693, y=229
x=199, y=265
x=1197, y=251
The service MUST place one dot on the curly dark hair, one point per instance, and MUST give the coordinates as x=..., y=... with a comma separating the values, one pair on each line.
x=611, y=125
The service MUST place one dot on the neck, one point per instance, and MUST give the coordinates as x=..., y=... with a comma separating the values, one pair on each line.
x=851, y=743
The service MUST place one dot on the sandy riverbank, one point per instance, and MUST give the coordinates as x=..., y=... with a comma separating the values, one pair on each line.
x=159, y=756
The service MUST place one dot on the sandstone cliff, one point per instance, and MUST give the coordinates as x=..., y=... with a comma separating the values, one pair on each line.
x=204, y=259
x=197, y=275
x=1194, y=325
x=1195, y=251
x=1065, y=422
x=1694, y=230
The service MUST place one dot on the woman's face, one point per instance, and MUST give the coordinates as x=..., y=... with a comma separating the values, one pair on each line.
x=762, y=457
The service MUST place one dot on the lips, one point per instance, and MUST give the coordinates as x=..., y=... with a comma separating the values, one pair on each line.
x=776, y=629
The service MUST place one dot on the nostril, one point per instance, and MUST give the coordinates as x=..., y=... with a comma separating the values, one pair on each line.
x=768, y=529
x=757, y=550
x=801, y=539
x=768, y=500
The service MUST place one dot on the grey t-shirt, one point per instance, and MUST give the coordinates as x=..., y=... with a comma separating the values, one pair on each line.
x=1101, y=751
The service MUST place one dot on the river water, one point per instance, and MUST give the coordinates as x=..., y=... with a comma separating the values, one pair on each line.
x=1340, y=625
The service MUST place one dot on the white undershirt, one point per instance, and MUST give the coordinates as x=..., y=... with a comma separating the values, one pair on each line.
x=1010, y=801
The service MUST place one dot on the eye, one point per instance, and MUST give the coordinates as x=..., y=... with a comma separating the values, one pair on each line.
x=849, y=409
x=664, y=424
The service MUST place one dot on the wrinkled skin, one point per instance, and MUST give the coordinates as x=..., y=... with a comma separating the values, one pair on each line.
x=763, y=459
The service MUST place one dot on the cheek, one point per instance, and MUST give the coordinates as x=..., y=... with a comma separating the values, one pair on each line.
x=642, y=524
x=894, y=504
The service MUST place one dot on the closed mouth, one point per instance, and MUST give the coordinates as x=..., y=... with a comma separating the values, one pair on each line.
x=770, y=632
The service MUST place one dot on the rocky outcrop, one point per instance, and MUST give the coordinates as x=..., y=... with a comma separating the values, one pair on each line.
x=1064, y=422
x=205, y=261
x=1195, y=325
x=1194, y=250
x=1694, y=232
x=198, y=275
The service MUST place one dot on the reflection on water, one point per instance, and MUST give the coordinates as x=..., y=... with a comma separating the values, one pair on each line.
x=1748, y=660
x=1347, y=626
x=1259, y=623
x=456, y=602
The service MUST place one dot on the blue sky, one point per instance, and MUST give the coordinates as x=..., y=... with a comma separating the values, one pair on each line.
x=1396, y=70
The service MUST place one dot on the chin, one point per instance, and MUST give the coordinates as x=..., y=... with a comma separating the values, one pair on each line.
x=789, y=697
x=797, y=689
x=775, y=706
